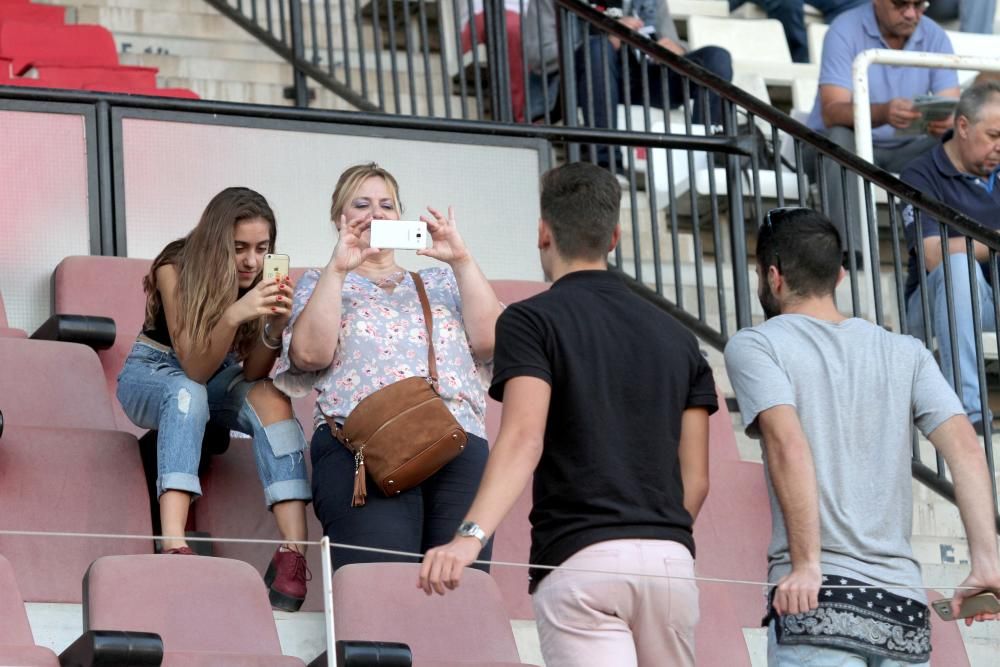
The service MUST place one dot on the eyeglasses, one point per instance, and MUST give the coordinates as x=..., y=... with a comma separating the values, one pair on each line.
x=916, y=5
x=773, y=217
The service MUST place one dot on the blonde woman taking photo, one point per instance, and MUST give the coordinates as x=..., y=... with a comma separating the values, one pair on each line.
x=357, y=326
x=210, y=338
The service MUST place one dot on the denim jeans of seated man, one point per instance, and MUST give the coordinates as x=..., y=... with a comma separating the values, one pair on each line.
x=965, y=338
x=791, y=14
x=818, y=656
x=155, y=393
x=598, y=98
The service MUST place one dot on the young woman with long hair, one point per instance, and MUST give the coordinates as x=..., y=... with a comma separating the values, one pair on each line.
x=211, y=335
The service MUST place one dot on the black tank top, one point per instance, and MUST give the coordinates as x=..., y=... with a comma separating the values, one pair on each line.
x=161, y=333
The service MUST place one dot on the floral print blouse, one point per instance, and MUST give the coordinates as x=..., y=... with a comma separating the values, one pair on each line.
x=383, y=339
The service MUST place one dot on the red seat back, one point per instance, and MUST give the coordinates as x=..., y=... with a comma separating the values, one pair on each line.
x=75, y=480
x=17, y=646
x=33, y=13
x=380, y=602
x=28, y=44
x=512, y=541
x=61, y=385
x=197, y=605
x=82, y=77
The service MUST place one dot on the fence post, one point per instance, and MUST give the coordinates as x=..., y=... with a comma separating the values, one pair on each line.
x=299, y=82
x=737, y=226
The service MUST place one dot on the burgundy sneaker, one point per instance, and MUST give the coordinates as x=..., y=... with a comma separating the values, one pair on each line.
x=286, y=579
x=180, y=551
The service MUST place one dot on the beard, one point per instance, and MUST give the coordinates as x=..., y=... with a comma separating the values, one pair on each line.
x=769, y=302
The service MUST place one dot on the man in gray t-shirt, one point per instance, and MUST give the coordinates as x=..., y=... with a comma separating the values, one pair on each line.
x=833, y=400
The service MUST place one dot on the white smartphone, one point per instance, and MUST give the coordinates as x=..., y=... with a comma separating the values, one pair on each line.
x=399, y=234
x=984, y=602
x=275, y=265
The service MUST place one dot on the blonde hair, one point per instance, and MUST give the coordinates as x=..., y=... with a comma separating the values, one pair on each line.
x=352, y=178
x=205, y=260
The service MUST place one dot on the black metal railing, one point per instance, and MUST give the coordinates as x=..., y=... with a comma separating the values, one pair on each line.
x=697, y=186
x=714, y=203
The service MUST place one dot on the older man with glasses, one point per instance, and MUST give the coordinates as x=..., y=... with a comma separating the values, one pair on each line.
x=962, y=171
x=882, y=24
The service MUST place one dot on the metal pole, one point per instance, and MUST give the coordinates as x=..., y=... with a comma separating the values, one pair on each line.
x=331, y=636
x=299, y=84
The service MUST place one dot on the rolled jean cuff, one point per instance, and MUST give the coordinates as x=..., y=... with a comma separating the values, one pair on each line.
x=178, y=481
x=289, y=489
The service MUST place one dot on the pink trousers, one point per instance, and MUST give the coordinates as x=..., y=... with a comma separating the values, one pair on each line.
x=589, y=619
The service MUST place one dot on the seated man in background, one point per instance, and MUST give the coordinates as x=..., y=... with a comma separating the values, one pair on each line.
x=973, y=15
x=599, y=98
x=791, y=13
x=962, y=172
x=515, y=70
x=883, y=24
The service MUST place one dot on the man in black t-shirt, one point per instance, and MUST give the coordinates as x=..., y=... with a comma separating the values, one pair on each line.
x=606, y=400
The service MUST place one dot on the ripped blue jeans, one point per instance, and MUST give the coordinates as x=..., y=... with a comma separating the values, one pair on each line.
x=156, y=394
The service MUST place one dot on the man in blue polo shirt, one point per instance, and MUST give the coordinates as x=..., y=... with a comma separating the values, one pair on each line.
x=883, y=24
x=963, y=171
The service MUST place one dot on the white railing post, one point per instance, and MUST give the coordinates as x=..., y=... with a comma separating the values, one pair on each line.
x=331, y=636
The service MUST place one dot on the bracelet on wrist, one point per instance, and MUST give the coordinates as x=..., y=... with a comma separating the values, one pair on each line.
x=268, y=341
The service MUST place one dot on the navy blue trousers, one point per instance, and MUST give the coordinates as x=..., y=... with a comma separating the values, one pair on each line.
x=426, y=516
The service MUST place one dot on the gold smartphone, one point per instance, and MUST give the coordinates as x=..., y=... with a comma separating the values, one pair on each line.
x=984, y=602
x=275, y=265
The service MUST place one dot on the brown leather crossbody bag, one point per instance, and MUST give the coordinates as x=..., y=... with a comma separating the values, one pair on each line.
x=402, y=434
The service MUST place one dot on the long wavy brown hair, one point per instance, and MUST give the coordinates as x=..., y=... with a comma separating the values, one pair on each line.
x=205, y=260
x=351, y=180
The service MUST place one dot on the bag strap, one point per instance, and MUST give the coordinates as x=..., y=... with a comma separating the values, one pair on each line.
x=418, y=282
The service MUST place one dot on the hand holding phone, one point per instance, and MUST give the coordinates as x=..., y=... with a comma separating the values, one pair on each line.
x=983, y=603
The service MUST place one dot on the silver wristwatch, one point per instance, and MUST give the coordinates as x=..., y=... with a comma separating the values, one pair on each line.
x=471, y=529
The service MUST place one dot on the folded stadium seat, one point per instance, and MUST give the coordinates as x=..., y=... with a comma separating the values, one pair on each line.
x=64, y=467
x=380, y=602
x=33, y=44
x=79, y=287
x=210, y=612
x=19, y=11
x=17, y=646
x=53, y=385
x=80, y=77
x=62, y=480
x=512, y=540
x=5, y=329
x=151, y=91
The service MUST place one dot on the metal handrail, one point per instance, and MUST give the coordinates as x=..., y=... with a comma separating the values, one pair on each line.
x=786, y=123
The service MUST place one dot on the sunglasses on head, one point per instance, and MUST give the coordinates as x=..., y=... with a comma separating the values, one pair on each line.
x=773, y=217
x=916, y=5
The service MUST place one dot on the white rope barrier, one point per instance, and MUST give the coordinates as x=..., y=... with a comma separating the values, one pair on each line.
x=325, y=542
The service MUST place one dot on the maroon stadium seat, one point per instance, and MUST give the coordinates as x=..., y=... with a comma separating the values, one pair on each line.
x=149, y=91
x=55, y=385
x=5, y=329
x=81, y=77
x=209, y=611
x=20, y=11
x=431, y=625
x=79, y=480
x=33, y=44
x=17, y=646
